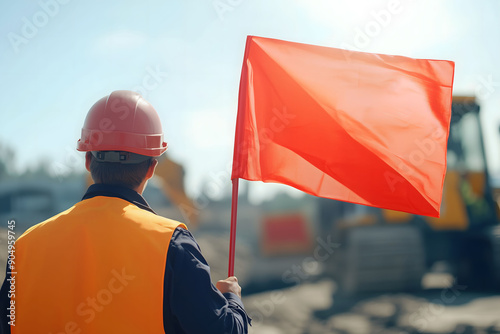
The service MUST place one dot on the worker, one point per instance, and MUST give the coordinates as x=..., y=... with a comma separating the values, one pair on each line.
x=109, y=264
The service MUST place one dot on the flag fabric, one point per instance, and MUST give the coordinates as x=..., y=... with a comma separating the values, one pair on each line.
x=359, y=127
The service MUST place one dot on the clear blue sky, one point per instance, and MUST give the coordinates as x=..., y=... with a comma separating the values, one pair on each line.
x=185, y=56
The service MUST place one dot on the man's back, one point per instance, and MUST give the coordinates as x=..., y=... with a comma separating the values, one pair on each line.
x=107, y=262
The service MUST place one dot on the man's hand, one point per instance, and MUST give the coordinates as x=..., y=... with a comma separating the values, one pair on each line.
x=229, y=284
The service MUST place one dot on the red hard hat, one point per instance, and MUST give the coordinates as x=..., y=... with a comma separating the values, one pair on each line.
x=123, y=121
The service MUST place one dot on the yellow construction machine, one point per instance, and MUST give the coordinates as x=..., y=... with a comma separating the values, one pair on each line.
x=384, y=250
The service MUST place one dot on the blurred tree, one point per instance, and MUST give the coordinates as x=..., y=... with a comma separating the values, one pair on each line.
x=44, y=169
x=40, y=170
x=7, y=157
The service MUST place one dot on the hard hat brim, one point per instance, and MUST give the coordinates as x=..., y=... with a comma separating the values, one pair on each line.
x=151, y=145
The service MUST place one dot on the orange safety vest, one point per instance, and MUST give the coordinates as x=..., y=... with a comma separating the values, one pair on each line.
x=96, y=268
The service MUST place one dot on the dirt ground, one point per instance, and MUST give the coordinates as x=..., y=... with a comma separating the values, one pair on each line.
x=317, y=308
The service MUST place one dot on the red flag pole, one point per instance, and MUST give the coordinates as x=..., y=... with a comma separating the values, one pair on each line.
x=232, y=237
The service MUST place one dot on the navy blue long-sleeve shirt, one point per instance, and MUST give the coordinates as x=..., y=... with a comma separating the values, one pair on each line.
x=191, y=303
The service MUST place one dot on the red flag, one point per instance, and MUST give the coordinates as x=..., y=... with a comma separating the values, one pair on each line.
x=353, y=126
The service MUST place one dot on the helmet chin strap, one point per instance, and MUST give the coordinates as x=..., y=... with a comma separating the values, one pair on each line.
x=120, y=157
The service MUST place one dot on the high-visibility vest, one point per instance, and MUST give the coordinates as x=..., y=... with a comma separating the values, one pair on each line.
x=96, y=268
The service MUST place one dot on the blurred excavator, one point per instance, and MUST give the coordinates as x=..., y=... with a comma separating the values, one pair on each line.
x=384, y=250
x=171, y=175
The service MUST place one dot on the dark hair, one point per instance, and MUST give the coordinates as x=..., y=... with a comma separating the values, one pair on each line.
x=117, y=174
